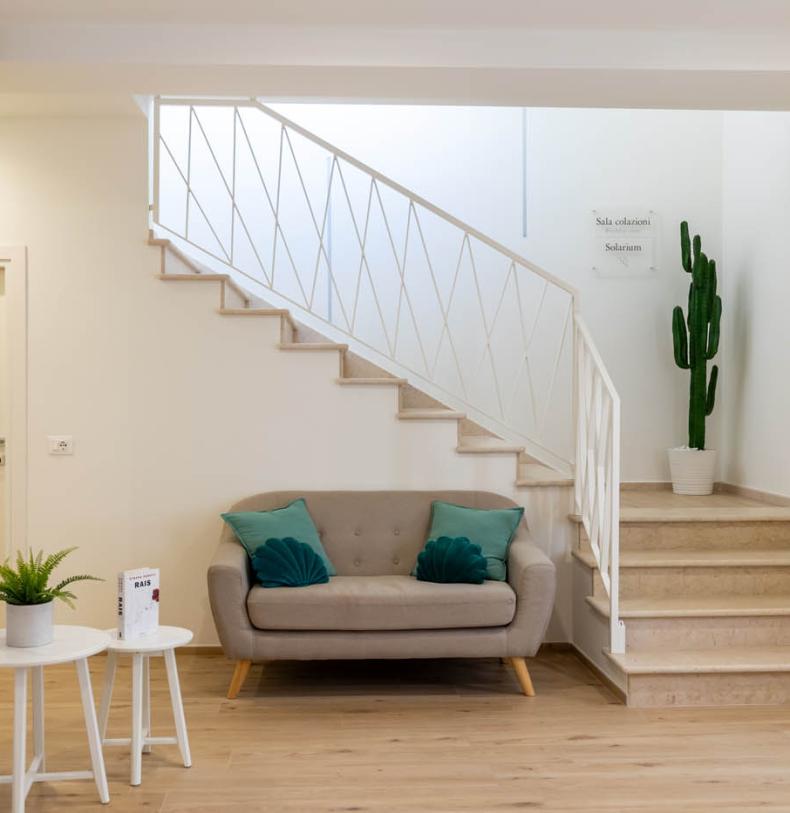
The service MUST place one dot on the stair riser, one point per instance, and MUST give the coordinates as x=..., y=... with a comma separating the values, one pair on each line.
x=230, y=297
x=700, y=536
x=709, y=689
x=412, y=398
x=354, y=366
x=287, y=332
x=643, y=582
x=673, y=634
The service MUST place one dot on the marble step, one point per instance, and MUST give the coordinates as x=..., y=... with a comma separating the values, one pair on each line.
x=708, y=535
x=536, y=474
x=701, y=622
x=697, y=573
x=706, y=677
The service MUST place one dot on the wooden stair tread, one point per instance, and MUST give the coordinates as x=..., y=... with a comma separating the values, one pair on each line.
x=536, y=474
x=196, y=277
x=704, y=661
x=319, y=346
x=695, y=558
x=695, y=606
x=430, y=414
x=486, y=444
x=224, y=278
x=255, y=312
x=765, y=513
x=371, y=382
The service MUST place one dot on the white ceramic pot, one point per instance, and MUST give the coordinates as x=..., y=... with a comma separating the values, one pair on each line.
x=28, y=624
x=692, y=470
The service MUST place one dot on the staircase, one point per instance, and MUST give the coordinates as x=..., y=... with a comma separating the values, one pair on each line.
x=412, y=404
x=704, y=596
x=684, y=601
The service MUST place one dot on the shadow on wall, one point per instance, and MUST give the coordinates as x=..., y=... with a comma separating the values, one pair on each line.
x=737, y=355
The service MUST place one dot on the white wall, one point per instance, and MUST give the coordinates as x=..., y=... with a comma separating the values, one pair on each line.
x=468, y=160
x=756, y=395
x=176, y=411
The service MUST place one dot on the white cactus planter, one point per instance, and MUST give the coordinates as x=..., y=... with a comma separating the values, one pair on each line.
x=692, y=470
x=29, y=624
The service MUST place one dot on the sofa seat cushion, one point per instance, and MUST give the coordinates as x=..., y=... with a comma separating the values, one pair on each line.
x=381, y=603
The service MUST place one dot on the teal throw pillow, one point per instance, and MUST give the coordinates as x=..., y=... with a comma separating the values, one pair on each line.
x=288, y=563
x=492, y=529
x=255, y=528
x=451, y=561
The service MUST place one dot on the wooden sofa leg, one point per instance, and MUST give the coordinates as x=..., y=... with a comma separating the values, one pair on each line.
x=239, y=676
x=522, y=673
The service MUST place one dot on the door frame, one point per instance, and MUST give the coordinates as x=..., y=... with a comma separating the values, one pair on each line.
x=13, y=260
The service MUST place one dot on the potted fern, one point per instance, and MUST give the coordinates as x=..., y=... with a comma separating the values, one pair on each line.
x=696, y=342
x=29, y=597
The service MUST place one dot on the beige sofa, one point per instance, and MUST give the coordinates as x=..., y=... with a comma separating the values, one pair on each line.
x=373, y=608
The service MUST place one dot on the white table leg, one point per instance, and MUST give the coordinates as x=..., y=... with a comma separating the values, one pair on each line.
x=92, y=729
x=38, y=717
x=106, y=695
x=137, y=719
x=18, y=789
x=178, y=706
x=147, y=700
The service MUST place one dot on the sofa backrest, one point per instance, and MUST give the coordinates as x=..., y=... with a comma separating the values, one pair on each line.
x=371, y=533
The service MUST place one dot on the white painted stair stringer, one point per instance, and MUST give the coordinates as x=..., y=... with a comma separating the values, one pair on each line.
x=553, y=470
x=528, y=471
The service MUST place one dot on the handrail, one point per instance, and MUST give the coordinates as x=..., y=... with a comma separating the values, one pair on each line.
x=381, y=178
x=597, y=474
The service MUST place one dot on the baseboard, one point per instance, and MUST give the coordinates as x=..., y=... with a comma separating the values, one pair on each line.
x=719, y=488
x=601, y=676
x=556, y=646
x=753, y=494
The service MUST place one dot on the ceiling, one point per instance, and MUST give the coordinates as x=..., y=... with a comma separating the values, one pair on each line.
x=736, y=15
x=89, y=55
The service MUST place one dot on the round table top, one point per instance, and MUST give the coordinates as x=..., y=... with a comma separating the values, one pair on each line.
x=163, y=638
x=70, y=643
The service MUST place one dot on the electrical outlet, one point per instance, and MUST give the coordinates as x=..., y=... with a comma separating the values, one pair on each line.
x=61, y=444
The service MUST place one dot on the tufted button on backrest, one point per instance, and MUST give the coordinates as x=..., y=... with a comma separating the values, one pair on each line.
x=371, y=533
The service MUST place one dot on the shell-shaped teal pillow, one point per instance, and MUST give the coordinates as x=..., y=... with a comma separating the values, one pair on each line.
x=288, y=563
x=451, y=560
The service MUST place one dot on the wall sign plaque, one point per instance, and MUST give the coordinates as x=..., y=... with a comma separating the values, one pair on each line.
x=624, y=241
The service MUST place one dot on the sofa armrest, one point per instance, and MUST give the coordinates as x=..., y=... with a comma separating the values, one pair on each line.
x=228, y=585
x=533, y=578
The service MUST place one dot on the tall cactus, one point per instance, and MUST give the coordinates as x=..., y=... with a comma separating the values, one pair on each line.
x=696, y=338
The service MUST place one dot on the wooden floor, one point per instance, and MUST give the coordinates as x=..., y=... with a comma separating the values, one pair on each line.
x=416, y=736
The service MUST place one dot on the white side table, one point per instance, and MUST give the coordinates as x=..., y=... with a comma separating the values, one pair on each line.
x=163, y=642
x=70, y=643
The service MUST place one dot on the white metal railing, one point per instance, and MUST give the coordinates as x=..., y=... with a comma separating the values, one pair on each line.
x=597, y=475
x=405, y=283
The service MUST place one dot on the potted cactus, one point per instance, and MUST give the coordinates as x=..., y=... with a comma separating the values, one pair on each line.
x=29, y=596
x=696, y=342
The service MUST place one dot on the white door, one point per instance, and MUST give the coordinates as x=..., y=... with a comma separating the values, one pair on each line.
x=4, y=409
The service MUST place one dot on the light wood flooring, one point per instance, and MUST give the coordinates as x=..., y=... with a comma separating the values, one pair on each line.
x=415, y=736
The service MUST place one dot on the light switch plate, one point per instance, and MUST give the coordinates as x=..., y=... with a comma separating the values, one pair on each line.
x=61, y=444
